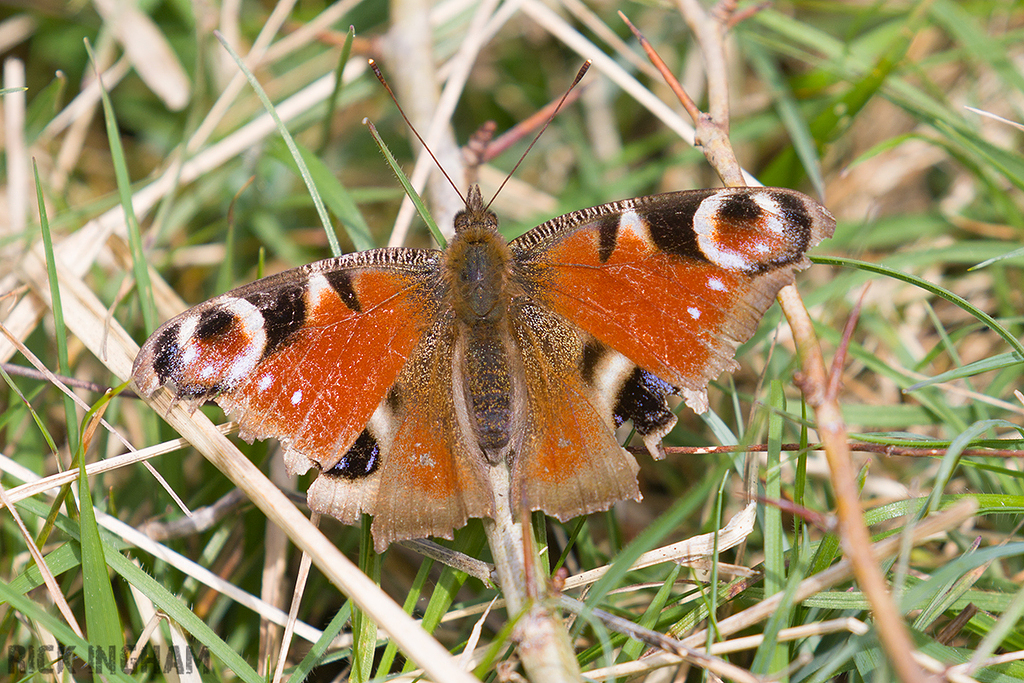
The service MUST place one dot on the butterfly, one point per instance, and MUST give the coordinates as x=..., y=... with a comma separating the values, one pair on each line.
x=405, y=375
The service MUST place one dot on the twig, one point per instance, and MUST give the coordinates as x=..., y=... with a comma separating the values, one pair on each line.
x=852, y=532
x=544, y=646
x=712, y=134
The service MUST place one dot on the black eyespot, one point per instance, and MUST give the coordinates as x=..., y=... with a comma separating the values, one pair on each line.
x=360, y=461
x=739, y=208
x=643, y=400
x=213, y=322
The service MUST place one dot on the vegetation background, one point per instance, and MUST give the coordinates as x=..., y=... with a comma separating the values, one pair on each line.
x=888, y=112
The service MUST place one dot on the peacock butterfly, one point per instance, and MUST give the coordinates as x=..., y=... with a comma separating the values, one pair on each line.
x=402, y=375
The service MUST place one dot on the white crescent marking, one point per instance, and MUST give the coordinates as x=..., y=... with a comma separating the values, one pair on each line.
x=631, y=222
x=251, y=320
x=704, y=224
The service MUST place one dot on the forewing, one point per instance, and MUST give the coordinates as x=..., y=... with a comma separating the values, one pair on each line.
x=675, y=282
x=305, y=356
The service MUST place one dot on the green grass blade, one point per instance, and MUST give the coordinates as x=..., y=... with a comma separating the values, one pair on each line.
x=929, y=287
x=61, y=631
x=417, y=201
x=364, y=629
x=332, y=101
x=332, y=239
x=60, y=329
x=166, y=601
x=450, y=583
x=44, y=106
x=411, y=599
x=101, y=612
x=339, y=200
x=998, y=362
x=769, y=657
x=124, y=189
x=1004, y=627
x=648, y=539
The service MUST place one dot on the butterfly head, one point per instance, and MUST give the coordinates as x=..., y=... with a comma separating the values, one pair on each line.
x=476, y=219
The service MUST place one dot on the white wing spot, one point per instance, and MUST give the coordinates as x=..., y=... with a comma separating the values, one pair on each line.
x=694, y=312
x=772, y=220
x=316, y=286
x=297, y=397
x=630, y=221
x=265, y=382
x=711, y=244
x=250, y=319
x=189, y=355
x=716, y=284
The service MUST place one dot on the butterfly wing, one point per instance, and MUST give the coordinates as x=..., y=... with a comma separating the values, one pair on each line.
x=311, y=357
x=674, y=282
x=567, y=461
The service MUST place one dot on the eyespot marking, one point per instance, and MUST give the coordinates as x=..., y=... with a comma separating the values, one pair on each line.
x=753, y=231
x=361, y=460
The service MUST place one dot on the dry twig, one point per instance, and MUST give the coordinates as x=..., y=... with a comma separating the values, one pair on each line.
x=712, y=135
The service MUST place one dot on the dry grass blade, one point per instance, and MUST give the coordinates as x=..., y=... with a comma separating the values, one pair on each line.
x=684, y=552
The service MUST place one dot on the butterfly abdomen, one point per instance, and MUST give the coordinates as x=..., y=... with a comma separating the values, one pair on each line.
x=488, y=386
x=478, y=263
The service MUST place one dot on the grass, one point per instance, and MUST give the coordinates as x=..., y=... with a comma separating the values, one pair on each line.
x=865, y=104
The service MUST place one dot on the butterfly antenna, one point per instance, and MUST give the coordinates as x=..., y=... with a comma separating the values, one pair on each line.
x=579, y=77
x=380, y=77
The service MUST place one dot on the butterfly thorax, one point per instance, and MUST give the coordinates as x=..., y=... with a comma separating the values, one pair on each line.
x=478, y=264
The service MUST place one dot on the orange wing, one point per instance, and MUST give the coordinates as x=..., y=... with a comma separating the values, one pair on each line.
x=314, y=357
x=304, y=356
x=567, y=461
x=675, y=282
